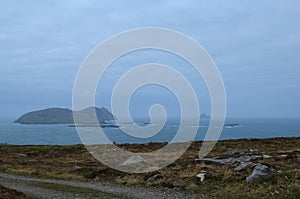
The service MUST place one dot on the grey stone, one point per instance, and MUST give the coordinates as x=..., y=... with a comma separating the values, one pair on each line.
x=243, y=158
x=260, y=171
x=244, y=166
x=217, y=161
x=256, y=157
x=236, y=151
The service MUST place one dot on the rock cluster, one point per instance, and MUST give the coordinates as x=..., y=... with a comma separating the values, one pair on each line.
x=259, y=171
x=245, y=166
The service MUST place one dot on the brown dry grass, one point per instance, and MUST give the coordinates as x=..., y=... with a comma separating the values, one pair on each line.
x=6, y=193
x=221, y=181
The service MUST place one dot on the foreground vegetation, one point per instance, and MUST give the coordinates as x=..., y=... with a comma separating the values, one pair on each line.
x=6, y=193
x=221, y=181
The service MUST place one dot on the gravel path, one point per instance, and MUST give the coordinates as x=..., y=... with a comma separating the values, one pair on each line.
x=106, y=190
x=36, y=191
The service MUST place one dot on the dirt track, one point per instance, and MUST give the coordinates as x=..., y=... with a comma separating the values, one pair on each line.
x=35, y=187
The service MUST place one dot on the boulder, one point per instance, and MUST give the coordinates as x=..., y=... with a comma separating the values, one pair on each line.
x=260, y=171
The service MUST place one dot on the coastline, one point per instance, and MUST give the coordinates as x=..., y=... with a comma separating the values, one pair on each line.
x=155, y=142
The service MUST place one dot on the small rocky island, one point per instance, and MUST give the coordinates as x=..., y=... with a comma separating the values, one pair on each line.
x=204, y=116
x=65, y=116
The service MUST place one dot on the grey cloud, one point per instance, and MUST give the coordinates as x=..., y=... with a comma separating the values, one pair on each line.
x=254, y=43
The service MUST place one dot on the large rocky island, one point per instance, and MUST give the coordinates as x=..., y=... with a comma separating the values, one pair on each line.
x=65, y=116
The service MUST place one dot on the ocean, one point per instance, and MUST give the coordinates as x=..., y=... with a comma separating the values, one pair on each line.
x=19, y=134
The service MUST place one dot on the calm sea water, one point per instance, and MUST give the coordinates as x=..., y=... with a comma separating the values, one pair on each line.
x=12, y=133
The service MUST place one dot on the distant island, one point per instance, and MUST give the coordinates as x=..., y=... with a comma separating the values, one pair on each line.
x=204, y=116
x=65, y=116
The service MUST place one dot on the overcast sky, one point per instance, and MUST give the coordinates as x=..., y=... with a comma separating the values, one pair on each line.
x=255, y=44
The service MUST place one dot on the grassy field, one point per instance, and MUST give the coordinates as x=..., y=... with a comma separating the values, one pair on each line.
x=221, y=181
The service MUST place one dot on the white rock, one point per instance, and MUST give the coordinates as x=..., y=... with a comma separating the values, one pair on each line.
x=201, y=176
x=135, y=159
x=283, y=155
x=266, y=156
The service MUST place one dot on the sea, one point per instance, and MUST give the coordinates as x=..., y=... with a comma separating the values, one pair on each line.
x=61, y=134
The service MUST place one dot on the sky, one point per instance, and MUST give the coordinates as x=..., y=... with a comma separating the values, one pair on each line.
x=255, y=45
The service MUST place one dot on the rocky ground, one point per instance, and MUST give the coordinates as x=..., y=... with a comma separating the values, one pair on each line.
x=247, y=168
